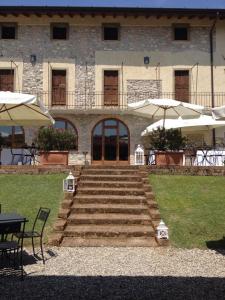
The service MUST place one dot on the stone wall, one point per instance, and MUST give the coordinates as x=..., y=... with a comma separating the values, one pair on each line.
x=186, y=170
x=84, y=41
x=158, y=170
x=148, y=89
x=85, y=123
x=35, y=170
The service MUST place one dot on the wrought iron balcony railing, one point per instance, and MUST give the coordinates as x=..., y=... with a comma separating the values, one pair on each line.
x=101, y=101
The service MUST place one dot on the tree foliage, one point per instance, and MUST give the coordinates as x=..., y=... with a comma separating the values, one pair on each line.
x=50, y=138
x=171, y=139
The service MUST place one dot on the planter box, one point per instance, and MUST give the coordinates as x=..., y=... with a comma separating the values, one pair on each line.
x=54, y=158
x=166, y=158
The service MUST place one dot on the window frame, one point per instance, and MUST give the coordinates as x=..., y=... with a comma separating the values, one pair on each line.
x=181, y=25
x=62, y=25
x=13, y=72
x=66, y=127
x=9, y=24
x=13, y=139
x=110, y=25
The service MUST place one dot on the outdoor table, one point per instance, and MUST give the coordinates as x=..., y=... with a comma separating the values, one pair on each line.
x=206, y=157
x=10, y=218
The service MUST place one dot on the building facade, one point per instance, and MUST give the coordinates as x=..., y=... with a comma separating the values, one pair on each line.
x=88, y=64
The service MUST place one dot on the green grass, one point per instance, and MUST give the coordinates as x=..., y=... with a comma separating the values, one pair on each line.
x=24, y=194
x=193, y=207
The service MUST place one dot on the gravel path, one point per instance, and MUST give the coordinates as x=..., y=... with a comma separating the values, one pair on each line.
x=121, y=273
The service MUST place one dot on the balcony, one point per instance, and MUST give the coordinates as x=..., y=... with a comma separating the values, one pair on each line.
x=96, y=101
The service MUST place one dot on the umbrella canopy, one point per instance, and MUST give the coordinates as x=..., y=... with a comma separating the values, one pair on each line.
x=218, y=113
x=23, y=110
x=162, y=108
x=203, y=122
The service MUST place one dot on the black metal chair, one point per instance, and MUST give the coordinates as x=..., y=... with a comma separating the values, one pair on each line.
x=7, y=247
x=42, y=217
x=17, y=156
x=190, y=156
x=30, y=155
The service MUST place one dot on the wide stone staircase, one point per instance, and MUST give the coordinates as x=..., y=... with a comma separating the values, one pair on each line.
x=113, y=206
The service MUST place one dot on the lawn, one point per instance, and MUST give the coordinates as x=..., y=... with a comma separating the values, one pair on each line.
x=24, y=194
x=193, y=207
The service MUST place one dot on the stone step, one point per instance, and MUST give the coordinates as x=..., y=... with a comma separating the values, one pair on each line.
x=109, y=242
x=109, y=191
x=109, y=199
x=108, y=184
x=110, y=172
x=111, y=178
x=109, y=218
x=113, y=167
x=121, y=231
x=109, y=208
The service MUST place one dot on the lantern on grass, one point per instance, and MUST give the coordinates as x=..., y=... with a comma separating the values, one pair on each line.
x=69, y=184
x=162, y=231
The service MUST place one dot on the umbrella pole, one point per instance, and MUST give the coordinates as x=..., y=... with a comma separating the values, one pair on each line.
x=164, y=119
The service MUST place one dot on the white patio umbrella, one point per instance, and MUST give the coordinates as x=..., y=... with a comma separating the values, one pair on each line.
x=165, y=108
x=23, y=109
x=218, y=113
x=202, y=123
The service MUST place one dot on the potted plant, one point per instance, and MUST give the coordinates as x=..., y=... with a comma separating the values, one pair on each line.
x=54, y=145
x=168, y=145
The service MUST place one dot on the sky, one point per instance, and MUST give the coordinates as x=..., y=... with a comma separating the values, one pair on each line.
x=217, y=4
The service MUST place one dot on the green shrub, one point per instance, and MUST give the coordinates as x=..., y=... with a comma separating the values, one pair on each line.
x=171, y=139
x=50, y=138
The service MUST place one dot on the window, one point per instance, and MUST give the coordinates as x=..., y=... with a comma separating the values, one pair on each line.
x=62, y=124
x=12, y=136
x=181, y=32
x=59, y=31
x=8, y=31
x=111, y=32
x=6, y=80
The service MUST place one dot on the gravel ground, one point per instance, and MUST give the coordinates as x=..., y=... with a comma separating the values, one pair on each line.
x=120, y=273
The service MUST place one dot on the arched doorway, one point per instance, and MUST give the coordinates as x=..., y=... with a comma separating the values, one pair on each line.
x=110, y=142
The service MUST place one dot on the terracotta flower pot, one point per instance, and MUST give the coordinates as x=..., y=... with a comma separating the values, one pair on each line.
x=166, y=158
x=54, y=158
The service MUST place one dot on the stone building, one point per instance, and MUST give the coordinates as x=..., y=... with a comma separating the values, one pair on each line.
x=88, y=63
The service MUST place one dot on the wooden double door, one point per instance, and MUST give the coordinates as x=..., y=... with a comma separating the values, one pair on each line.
x=110, y=142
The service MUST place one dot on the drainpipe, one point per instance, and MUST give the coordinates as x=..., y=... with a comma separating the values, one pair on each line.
x=212, y=71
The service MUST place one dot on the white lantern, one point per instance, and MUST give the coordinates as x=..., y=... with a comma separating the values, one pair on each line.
x=162, y=231
x=69, y=184
x=139, y=158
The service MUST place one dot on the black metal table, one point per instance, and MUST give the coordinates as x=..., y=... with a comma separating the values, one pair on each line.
x=10, y=218
x=11, y=223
